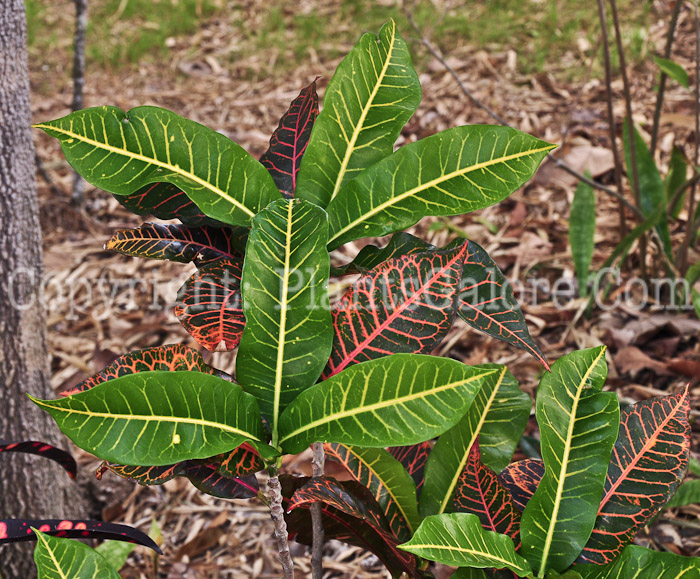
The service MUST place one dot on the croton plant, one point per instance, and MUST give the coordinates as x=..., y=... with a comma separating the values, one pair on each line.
x=358, y=376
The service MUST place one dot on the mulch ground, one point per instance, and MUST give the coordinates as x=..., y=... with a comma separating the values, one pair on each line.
x=652, y=351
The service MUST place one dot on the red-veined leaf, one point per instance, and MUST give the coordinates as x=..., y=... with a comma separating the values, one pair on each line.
x=371, y=256
x=521, y=479
x=350, y=514
x=62, y=457
x=648, y=463
x=166, y=201
x=178, y=243
x=405, y=305
x=480, y=492
x=19, y=530
x=387, y=480
x=288, y=143
x=209, y=306
x=486, y=302
x=413, y=459
x=171, y=357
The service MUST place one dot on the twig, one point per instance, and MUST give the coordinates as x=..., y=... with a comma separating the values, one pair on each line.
x=662, y=80
x=611, y=116
x=499, y=119
x=277, y=516
x=690, y=231
x=79, y=81
x=44, y=174
x=317, y=469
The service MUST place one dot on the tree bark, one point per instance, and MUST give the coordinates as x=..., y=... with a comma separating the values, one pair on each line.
x=30, y=487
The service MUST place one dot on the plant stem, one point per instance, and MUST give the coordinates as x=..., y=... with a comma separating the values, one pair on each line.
x=317, y=466
x=277, y=516
x=690, y=232
x=79, y=81
x=662, y=79
x=611, y=117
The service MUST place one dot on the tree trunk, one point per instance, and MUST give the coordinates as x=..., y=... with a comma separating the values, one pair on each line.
x=30, y=487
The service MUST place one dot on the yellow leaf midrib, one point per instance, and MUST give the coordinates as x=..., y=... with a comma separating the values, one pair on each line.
x=138, y=157
x=434, y=182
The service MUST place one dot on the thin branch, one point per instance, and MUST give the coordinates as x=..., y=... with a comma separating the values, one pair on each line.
x=79, y=81
x=44, y=174
x=662, y=81
x=617, y=163
x=277, y=516
x=499, y=119
x=317, y=468
x=690, y=231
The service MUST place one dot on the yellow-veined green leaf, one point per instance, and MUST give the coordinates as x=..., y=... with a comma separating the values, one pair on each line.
x=122, y=152
x=158, y=418
x=58, y=558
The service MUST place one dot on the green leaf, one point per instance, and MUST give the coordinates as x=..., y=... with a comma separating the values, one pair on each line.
x=456, y=171
x=687, y=494
x=470, y=573
x=386, y=479
x=372, y=94
x=651, y=187
x=116, y=552
x=582, y=233
x=393, y=401
x=578, y=427
x=694, y=466
x=497, y=417
x=58, y=558
x=459, y=539
x=696, y=301
x=288, y=334
x=673, y=70
x=122, y=152
x=675, y=178
x=158, y=418
x=638, y=562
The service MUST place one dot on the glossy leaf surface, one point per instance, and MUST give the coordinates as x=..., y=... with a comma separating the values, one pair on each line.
x=168, y=358
x=481, y=493
x=58, y=558
x=372, y=94
x=396, y=400
x=20, y=530
x=648, y=462
x=288, y=143
x=387, y=480
x=122, y=152
x=62, y=457
x=521, y=479
x=179, y=243
x=209, y=306
x=578, y=427
x=288, y=329
x=370, y=256
x=458, y=539
x=639, y=562
x=486, y=302
x=497, y=418
x=405, y=305
x=454, y=172
x=158, y=418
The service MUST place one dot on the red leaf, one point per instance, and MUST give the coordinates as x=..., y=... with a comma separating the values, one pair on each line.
x=405, y=305
x=481, y=493
x=288, y=143
x=178, y=243
x=209, y=306
x=521, y=479
x=350, y=514
x=18, y=530
x=363, y=473
x=413, y=459
x=166, y=201
x=648, y=463
x=65, y=459
x=169, y=358
x=486, y=302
